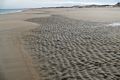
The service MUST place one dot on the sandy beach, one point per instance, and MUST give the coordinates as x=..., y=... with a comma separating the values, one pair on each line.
x=60, y=44
x=15, y=63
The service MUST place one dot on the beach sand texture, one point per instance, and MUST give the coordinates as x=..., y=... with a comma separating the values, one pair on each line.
x=88, y=14
x=15, y=63
x=60, y=44
x=69, y=49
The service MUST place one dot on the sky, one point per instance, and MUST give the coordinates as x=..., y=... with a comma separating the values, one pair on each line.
x=10, y=4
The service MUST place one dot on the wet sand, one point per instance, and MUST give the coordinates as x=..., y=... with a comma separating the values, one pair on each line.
x=70, y=46
x=60, y=44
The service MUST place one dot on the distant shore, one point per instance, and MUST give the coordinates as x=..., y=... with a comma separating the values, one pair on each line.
x=7, y=11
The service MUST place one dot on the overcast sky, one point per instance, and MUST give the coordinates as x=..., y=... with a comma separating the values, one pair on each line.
x=46, y=3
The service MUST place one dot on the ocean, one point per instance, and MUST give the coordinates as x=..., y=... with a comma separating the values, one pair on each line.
x=6, y=11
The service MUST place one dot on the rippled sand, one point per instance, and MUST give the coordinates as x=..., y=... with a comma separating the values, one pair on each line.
x=67, y=48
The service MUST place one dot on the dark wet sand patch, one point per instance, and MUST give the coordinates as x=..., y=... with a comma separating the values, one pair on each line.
x=2, y=77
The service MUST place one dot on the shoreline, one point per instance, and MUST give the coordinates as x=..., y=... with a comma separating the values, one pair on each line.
x=10, y=11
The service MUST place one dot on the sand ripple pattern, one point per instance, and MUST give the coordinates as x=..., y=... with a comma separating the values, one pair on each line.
x=67, y=49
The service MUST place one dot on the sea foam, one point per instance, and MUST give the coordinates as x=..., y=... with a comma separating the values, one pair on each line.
x=114, y=24
x=7, y=11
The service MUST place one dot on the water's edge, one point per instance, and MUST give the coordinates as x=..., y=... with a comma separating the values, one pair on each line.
x=7, y=11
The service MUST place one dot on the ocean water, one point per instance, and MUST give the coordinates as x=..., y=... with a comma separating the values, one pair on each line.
x=6, y=11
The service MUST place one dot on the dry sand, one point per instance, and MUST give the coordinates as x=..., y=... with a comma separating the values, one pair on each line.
x=89, y=14
x=60, y=44
x=15, y=64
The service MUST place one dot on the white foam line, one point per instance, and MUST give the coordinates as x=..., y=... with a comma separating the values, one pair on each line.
x=114, y=24
x=11, y=12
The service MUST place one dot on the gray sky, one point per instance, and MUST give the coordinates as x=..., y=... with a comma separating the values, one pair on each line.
x=45, y=3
